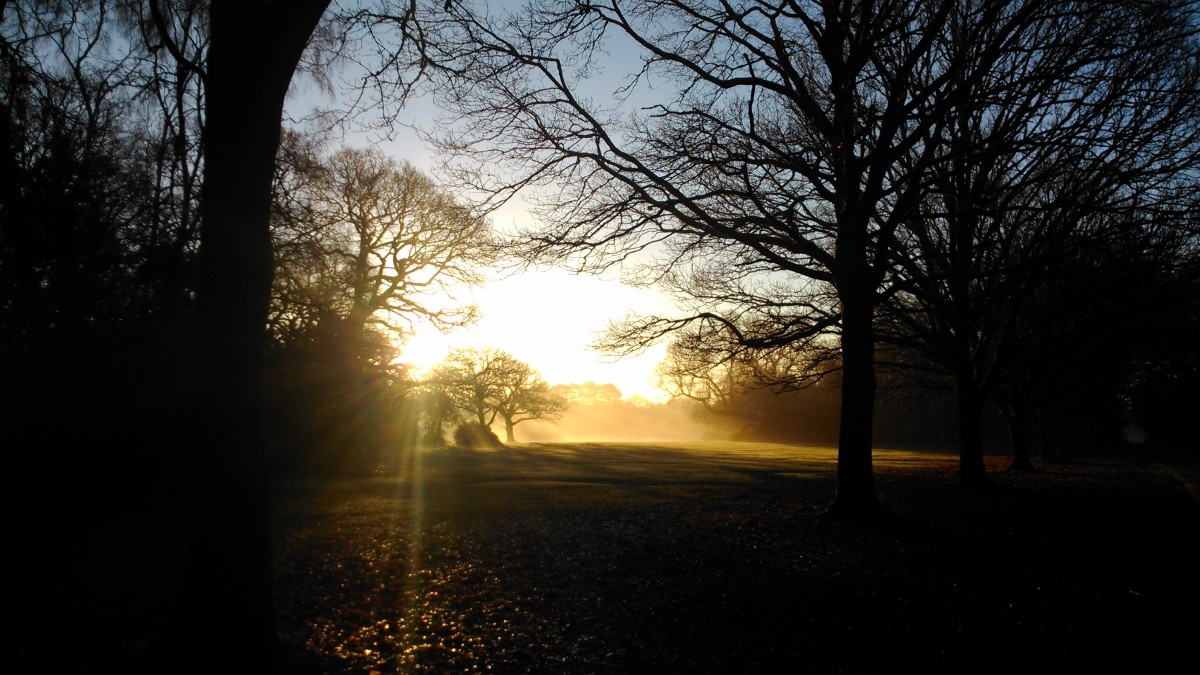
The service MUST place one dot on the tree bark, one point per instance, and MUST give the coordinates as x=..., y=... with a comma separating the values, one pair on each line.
x=226, y=616
x=508, y=431
x=855, y=498
x=971, y=470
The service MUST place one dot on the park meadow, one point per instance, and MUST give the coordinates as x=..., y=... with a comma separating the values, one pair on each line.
x=664, y=557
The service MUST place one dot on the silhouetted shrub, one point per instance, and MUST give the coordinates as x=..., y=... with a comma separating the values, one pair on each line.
x=475, y=435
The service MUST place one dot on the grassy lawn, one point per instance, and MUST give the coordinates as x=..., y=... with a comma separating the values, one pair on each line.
x=685, y=558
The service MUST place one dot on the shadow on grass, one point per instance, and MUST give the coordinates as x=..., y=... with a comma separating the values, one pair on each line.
x=619, y=558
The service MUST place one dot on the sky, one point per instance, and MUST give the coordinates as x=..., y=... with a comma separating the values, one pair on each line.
x=547, y=317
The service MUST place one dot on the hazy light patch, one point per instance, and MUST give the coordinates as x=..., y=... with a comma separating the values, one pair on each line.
x=629, y=420
x=548, y=318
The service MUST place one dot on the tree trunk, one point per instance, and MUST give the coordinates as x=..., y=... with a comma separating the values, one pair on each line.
x=226, y=616
x=971, y=469
x=1018, y=433
x=855, y=498
x=508, y=431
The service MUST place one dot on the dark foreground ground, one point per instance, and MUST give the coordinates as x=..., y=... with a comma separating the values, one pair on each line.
x=668, y=559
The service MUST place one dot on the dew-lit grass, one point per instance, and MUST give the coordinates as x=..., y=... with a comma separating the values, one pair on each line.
x=687, y=558
x=668, y=558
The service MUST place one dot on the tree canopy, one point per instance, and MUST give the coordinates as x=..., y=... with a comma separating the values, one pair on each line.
x=370, y=240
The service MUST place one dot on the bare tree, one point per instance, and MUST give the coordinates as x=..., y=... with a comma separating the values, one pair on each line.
x=169, y=42
x=488, y=383
x=711, y=382
x=371, y=240
x=523, y=395
x=793, y=143
x=712, y=369
x=67, y=197
x=1081, y=132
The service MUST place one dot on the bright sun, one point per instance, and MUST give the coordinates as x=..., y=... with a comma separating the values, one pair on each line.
x=548, y=318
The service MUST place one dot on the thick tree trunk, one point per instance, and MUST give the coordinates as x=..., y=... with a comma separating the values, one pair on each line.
x=1018, y=433
x=226, y=617
x=855, y=498
x=971, y=469
x=508, y=431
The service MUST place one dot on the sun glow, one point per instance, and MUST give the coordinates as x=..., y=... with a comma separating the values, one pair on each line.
x=548, y=318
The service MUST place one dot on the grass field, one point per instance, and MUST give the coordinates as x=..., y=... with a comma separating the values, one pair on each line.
x=681, y=558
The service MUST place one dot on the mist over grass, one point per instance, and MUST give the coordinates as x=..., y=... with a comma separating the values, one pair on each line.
x=626, y=420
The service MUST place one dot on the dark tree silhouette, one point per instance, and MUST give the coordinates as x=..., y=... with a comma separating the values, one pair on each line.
x=168, y=243
x=1165, y=370
x=124, y=97
x=365, y=246
x=76, y=271
x=371, y=240
x=794, y=146
x=228, y=610
x=1048, y=163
